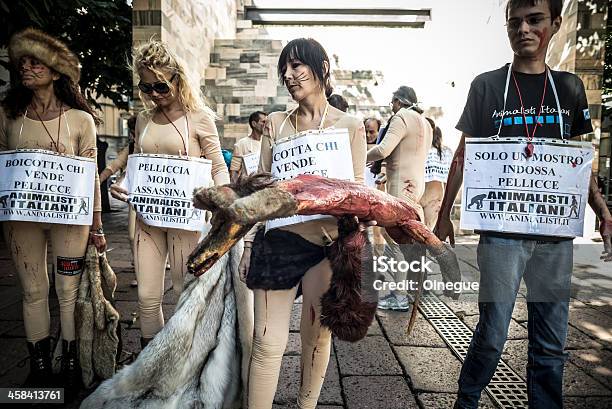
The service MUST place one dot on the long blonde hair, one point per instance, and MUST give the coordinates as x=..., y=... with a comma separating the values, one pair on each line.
x=156, y=56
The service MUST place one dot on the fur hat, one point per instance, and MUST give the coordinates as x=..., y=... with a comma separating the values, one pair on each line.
x=47, y=49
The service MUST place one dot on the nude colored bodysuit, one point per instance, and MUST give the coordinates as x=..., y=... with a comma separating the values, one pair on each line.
x=405, y=148
x=28, y=240
x=273, y=307
x=243, y=147
x=154, y=245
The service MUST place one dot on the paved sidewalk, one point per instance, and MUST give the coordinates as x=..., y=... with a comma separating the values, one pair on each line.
x=387, y=369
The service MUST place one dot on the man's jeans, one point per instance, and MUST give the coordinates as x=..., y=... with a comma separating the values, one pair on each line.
x=546, y=268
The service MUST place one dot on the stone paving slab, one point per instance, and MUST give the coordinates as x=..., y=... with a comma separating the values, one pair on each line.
x=289, y=383
x=369, y=392
x=596, y=362
x=467, y=304
x=446, y=401
x=571, y=402
x=395, y=325
x=576, y=382
x=593, y=323
x=296, y=316
x=515, y=330
x=370, y=356
x=430, y=369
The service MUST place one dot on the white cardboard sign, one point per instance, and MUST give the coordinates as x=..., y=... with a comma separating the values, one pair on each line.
x=251, y=162
x=46, y=187
x=505, y=191
x=325, y=153
x=161, y=187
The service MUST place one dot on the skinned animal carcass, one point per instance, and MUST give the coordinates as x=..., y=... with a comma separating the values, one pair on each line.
x=238, y=207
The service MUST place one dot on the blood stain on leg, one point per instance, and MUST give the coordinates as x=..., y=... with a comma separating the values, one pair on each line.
x=312, y=315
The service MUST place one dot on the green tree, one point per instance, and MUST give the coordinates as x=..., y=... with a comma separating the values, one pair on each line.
x=99, y=32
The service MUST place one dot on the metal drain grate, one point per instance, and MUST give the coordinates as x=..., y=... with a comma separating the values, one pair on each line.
x=432, y=307
x=506, y=389
x=455, y=333
x=505, y=374
x=508, y=395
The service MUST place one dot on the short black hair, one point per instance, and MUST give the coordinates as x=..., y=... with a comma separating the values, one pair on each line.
x=254, y=117
x=338, y=101
x=365, y=121
x=555, y=6
x=311, y=53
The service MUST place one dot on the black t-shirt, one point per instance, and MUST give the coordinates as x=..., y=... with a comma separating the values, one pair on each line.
x=483, y=110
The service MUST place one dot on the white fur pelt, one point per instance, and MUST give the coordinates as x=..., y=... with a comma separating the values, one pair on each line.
x=195, y=360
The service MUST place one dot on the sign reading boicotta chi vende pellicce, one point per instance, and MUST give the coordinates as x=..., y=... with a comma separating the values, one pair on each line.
x=46, y=187
x=325, y=153
x=160, y=189
x=507, y=191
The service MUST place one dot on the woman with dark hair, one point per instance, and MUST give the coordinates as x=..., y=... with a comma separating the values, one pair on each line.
x=436, y=172
x=45, y=110
x=303, y=67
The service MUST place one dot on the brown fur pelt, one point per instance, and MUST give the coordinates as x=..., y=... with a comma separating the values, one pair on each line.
x=348, y=307
x=47, y=49
x=96, y=319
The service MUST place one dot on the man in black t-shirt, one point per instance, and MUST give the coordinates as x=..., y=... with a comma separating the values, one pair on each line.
x=545, y=263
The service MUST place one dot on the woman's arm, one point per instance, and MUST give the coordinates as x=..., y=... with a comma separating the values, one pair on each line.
x=210, y=147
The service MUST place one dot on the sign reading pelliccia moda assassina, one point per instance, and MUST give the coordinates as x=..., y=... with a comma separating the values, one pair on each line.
x=325, y=152
x=507, y=191
x=160, y=189
x=46, y=187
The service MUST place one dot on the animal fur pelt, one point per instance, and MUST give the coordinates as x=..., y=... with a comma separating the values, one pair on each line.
x=96, y=318
x=195, y=360
x=47, y=49
x=348, y=307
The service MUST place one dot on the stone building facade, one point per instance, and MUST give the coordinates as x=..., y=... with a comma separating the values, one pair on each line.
x=233, y=61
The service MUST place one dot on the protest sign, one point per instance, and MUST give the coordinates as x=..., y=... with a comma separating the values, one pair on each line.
x=325, y=153
x=507, y=191
x=251, y=162
x=46, y=187
x=160, y=189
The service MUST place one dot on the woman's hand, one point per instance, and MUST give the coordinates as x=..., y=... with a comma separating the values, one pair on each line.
x=97, y=238
x=245, y=262
x=118, y=192
x=105, y=174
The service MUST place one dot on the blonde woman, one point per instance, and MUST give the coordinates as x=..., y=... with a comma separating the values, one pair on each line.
x=176, y=122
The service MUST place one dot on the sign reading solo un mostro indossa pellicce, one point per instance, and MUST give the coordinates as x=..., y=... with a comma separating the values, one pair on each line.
x=46, y=187
x=160, y=189
x=507, y=191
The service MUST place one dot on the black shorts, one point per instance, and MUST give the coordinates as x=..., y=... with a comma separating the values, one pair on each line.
x=279, y=260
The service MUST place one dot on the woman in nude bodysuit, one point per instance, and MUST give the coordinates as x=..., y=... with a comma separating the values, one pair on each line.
x=45, y=110
x=176, y=123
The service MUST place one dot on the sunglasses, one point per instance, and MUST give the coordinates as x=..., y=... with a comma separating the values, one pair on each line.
x=160, y=87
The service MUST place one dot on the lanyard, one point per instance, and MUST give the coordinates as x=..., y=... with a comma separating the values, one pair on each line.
x=185, y=142
x=323, y=117
x=554, y=88
x=53, y=142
